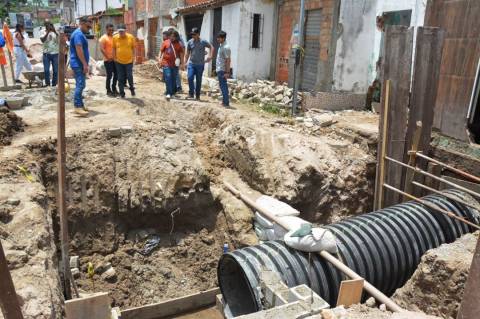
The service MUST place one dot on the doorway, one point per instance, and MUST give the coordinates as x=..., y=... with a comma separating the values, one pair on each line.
x=193, y=21
x=217, y=27
x=312, y=50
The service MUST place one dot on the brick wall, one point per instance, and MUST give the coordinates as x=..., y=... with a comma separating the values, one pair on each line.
x=289, y=13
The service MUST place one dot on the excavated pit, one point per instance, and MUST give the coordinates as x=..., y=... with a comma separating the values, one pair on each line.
x=124, y=185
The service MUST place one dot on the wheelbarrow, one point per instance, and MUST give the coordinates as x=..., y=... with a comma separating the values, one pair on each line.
x=31, y=77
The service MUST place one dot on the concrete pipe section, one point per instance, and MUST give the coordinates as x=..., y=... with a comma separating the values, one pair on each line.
x=384, y=247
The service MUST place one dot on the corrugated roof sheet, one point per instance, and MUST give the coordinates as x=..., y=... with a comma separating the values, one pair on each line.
x=205, y=5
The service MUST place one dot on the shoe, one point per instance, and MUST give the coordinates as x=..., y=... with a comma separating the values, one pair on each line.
x=190, y=97
x=197, y=98
x=168, y=97
x=85, y=109
x=110, y=93
x=133, y=92
x=122, y=95
x=80, y=111
x=115, y=93
x=18, y=81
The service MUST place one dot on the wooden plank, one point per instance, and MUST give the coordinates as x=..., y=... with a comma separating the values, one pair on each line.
x=412, y=160
x=428, y=56
x=381, y=158
x=396, y=67
x=173, y=306
x=9, y=304
x=436, y=170
x=4, y=76
x=470, y=307
x=350, y=292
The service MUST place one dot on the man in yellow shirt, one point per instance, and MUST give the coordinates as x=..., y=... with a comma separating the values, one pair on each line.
x=106, y=46
x=124, y=55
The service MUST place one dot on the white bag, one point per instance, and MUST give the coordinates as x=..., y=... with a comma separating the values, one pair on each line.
x=293, y=222
x=320, y=239
x=276, y=207
x=177, y=60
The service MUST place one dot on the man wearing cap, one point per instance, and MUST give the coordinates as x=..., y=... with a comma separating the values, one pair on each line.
x=195, y=60
x=79, y=57
x=123, y=55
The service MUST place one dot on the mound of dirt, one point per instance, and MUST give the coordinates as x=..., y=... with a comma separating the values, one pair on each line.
x=10, y=124
x=437, y=285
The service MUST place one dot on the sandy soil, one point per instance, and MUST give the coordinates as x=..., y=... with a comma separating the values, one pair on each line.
x=133, y=162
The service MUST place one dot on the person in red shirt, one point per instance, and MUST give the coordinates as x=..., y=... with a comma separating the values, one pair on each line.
x=171, y=57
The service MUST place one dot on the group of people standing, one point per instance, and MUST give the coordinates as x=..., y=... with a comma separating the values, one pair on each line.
x=118, y=49
x=172, y=57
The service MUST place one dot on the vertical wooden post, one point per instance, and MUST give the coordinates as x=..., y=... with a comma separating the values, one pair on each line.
x=409, y=175
x=428, y=58
x=381, y=157
x=4, y=76
x=61, y=156
x=396, y=66
x=10, y=59
x=9, y=304
x=470, y=307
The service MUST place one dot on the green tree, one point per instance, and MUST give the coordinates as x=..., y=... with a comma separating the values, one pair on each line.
x=7, y=6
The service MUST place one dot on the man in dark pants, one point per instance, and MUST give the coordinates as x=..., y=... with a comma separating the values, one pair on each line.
x=106, y=46
x=223, y=66
x=195, y=59
x=124, y=55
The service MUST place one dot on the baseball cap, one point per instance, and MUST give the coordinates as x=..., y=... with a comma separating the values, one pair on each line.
x=121, y=28
x=195, y=31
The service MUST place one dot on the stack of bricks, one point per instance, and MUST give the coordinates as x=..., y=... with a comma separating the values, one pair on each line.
x=140, y=51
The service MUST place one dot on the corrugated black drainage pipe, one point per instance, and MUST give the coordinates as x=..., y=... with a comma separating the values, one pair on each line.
x=384, y=247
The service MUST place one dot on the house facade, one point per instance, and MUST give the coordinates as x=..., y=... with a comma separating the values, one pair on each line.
x=342, y=42
x=249, y=27
x=91, y=7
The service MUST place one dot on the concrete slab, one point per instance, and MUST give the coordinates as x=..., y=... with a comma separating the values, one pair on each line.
x=95, y=306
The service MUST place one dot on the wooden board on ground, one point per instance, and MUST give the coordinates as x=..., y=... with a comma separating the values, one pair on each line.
x=396, y=66
x=350, y=292
x=173, y=306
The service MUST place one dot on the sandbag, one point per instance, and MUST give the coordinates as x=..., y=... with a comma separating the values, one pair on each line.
x=293, y=222
x=276, y=207
x=319, y=239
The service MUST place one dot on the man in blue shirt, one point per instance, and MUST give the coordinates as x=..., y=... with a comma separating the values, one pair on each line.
x=79, y=57
x=196, y=53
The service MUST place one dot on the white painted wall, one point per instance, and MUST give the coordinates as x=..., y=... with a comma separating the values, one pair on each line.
x=84, y=7
x=254, y=64
x=358, y=46
x=231, y=25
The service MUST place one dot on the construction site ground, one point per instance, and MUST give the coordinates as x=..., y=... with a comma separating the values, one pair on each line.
x=142, y=168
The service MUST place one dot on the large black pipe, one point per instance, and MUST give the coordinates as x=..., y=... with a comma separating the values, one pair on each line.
x=384, y=247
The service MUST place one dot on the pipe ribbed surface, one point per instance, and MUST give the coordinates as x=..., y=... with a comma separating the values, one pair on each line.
x=384, y=247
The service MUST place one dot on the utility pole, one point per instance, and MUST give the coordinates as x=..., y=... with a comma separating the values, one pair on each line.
x=298, y=52
x=61, y=158
x=9, y=304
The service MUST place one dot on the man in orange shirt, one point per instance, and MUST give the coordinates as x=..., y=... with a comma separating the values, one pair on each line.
x=171, y=57
x=106, y=46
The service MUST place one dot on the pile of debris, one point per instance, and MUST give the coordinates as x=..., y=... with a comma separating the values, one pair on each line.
x=261, y=92
x=10, y=124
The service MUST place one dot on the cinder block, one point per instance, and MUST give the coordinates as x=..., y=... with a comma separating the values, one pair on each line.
x=310, y=299
x=288, y=311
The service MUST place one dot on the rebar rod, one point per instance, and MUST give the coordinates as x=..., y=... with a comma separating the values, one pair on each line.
x=416, y=169
x=432, y=206
x=449, y=167
x=374, y=292
x=433, y=190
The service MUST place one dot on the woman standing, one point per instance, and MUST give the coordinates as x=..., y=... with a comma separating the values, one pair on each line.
x=50, y=53
x=21, y=52
x=171, y=57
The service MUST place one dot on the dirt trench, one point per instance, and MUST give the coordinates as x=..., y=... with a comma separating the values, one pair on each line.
x=162, y=179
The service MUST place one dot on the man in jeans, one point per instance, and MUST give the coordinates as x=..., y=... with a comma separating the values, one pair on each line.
x=196, y=65
x=171, y=57
x=79, y=58
x=106, y=46
x=223, y=66
x=124, y=54
x=50, y=53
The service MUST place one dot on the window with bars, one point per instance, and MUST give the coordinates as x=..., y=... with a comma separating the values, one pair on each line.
x=256, y=31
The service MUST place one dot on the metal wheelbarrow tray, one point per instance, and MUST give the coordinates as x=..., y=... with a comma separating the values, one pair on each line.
x=31, y=75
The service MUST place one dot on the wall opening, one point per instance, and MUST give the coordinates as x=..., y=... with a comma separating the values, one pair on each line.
x=193, y=21
x=256, y=31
